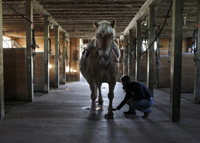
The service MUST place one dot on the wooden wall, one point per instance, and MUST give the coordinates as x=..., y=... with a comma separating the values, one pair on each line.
x=164, y=72
x=40, y=42
x=38, y=72
x=52, y=70
x=75, y=48
x=14, y=74
x=188, y=71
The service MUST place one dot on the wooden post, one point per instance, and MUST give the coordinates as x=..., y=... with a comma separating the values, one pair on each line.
x=125, y=55
x=69, y=61
x=46, y=54
x=63, y=60
x=1, y=66
x=150, y=57
x=197, y=64
x=158, y=61
x=138, y=52
x=56, y=58
x=29, y=52
x=176, y=60
x=130, y=56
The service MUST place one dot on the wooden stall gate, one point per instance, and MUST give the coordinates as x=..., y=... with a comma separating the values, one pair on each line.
x=52, y=71
x=39, y=72
x=14, y=74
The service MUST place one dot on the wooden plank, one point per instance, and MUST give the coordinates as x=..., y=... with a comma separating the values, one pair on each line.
x=130, y=56
x=63, y=77
x=2, y=110
x=14, y=77
x=38, y=72
x=46, y=54
x=125, y=67
x=197, y=59
x=176, y=59
x=29, y=52
x=150, y=59
x=56, y=60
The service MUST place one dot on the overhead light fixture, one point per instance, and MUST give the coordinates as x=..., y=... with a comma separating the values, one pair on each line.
x=184, y=20
x=146, y=21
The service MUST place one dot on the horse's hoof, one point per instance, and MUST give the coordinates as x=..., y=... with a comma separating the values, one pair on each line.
x=100, y=102
x=93, y=116
x=109, y=115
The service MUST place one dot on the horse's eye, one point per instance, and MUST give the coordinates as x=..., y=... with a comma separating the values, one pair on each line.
x=112, y=38
x=97, y=37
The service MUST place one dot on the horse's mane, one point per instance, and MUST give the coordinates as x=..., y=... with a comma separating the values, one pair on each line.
x=105, y=28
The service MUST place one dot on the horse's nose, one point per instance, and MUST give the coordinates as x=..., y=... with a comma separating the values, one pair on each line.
x=103, y=60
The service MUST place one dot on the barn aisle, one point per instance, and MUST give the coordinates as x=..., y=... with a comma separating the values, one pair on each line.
x=61, y=116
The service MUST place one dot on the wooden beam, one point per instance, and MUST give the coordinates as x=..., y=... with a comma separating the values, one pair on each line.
x=150, y=57
x=46, y=54
x=197, y=64
x=29, y=52
x=1, y=67
x=138, y=52
x=64, y=59
x=126, y=3
x=56, y=58
x=176, y=60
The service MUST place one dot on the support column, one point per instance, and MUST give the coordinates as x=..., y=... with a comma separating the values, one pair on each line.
x=197, y=64
x=176, y=60
x=125, y=55
x=56, y=58
x=1, y=66
x=46, y=54
x=63, y=59
x=138, y=52
x=158, y=61
x=69, y=57
x=29, y=52
x=130, y=56
x=150, y=57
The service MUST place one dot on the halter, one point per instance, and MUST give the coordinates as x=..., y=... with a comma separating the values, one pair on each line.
x=97, y=49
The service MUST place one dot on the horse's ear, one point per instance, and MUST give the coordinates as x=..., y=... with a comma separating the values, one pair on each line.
x=113, y=24
x=96, y=25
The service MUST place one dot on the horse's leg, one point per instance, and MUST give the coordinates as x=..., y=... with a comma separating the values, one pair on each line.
x=100, y=100
x=93, y=112
x=111, y=83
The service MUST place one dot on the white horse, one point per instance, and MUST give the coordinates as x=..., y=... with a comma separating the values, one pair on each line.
x=98, y=64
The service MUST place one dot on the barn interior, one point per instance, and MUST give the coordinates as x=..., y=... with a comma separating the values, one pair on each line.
x=44, y=97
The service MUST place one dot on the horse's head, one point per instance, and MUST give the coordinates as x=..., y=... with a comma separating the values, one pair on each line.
x=104, y=40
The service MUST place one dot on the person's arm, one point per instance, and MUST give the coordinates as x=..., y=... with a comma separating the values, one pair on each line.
x=121, y=104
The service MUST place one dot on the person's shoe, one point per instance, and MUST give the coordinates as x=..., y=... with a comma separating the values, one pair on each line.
x=146, y=114
x=129, y=113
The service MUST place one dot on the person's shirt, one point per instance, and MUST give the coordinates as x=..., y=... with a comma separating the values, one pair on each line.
x=136, y=91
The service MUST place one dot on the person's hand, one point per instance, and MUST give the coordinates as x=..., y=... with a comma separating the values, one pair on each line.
x=114, y=109
x=129, y=101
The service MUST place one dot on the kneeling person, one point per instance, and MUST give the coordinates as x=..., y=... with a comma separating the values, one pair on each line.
x=138, y=97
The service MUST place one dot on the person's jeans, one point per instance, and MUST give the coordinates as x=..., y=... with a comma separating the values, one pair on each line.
x=141, y=105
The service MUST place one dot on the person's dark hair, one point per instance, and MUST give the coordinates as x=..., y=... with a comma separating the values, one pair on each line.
x=126, y=78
